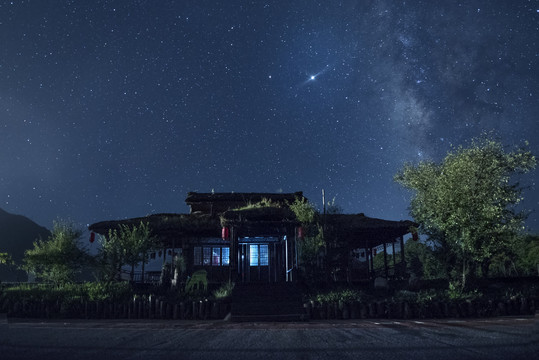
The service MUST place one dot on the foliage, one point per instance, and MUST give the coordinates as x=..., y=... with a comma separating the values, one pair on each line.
x=264, y=203
x=428, y=296
x=378, y=261
x=310, y=246
x=467, y=202
x=405, y=296
x=421, y=260
x=68, y=292
x=527, y=254
x=224, y=291
x=180, y=269
x=333, y=208
x=522, y=259
x=335, y=296
x=304, y=211
x=5, y=259
x=59, y=258
x=313, y=243
x=114, y=291
x=125, y=246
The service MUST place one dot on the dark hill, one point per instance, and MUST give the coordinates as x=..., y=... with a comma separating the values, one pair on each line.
x=17, y=234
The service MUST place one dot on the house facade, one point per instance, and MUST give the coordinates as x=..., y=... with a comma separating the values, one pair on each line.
x=234, y=240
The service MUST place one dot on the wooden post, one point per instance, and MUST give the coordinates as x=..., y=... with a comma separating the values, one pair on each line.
x=233, y=255
x=143, y=262
x=164, y=255
x=286, y=257
x=296, y=270
x=403, y=259
x=172, y=269
x=370, y=260
x=393, y=249
x=385, y=260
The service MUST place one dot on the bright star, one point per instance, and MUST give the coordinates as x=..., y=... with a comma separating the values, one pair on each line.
x=313, y=77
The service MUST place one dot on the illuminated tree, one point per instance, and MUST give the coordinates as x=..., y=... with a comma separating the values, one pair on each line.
x=468, y=202
x=59, y=258
x=127, y=245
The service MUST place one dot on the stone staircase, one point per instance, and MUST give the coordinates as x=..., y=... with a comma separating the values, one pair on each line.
x=267, y=302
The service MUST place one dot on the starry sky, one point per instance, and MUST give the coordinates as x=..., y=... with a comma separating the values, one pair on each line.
x=116, y=109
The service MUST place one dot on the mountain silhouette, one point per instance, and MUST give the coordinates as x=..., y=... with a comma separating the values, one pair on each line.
x=17, y=234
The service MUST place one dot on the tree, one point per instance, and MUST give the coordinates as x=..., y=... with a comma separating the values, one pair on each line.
x=5, y=259
x=127, y=245
x=467, y=203
x=59, y=258
x=527, y=251
x=522, y=259
x=312, y=245
x=421, y=260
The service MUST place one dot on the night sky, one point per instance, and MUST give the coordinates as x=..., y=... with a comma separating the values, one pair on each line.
x=116, y=109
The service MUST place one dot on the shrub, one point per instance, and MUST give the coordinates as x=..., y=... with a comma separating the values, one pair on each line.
x=113, y=291
x=224, y=291
x=335, y=296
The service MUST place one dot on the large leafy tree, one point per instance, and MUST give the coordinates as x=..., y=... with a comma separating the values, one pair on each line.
x=467, y=203
x=312, y=245
x=521, y=260
x=127, y=245
x=59, y=258
x=6, y=259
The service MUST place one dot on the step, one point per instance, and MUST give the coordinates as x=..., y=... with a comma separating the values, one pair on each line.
x=267, y=302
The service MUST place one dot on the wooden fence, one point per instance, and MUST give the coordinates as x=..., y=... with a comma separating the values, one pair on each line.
x=138, y=308
x=436, y=309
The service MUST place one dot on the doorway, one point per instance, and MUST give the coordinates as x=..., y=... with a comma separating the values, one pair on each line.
x=259, y=261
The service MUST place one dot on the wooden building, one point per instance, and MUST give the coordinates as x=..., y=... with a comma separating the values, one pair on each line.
x=233, y=239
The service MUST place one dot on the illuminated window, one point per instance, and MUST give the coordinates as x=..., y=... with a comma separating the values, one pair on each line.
x=226, y=256
x=211, y=256
x=197, y=256
x=206, y=260
x=216, y=256
x=254, y=255
x=264, y=255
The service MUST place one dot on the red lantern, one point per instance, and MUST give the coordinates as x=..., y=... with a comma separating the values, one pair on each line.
x=415, y=236
x=225, y=233
x=92, y=237
x=300, y=232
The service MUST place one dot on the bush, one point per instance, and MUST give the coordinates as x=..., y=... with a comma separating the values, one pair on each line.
x=68, y=293
x=335, y=296
x=224, y=291
x=113, y=291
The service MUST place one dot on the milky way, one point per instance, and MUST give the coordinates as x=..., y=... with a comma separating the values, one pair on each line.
x=114, y=109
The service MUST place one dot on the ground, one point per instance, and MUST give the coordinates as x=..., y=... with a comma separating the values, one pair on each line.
x=497, y=338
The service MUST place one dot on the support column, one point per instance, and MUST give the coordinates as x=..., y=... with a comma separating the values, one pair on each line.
x=370, y=259
x=172, y=261
x=385, y=259
x=286, y=259
x=403, y=259
x=233, y=267
x=393, y=249
x=296, y=268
